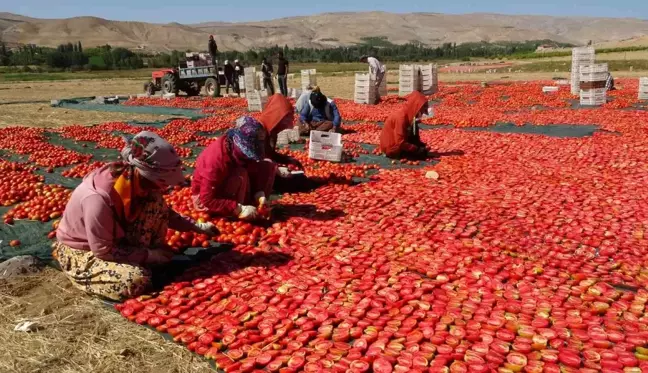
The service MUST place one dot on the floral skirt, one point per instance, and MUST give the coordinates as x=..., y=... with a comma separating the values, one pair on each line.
x=118, y=281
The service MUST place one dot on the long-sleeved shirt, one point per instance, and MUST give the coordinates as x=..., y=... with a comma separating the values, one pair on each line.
x=213, y=48
x=267, y=70
x=375, y=65
x=330, y=112
x=213, y=168
x=228, y=71
x=90, y=223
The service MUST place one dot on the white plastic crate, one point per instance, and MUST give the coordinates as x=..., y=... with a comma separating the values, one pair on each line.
x=257, y=100
x=364, y=89
x=580, y=56
x=594, y=68
x=325, y=146
x=562, y=82
x=593, y=96
x=550, y=89
x=408, y=79
x=308, y=78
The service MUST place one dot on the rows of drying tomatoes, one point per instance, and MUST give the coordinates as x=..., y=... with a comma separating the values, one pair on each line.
x=526, y=254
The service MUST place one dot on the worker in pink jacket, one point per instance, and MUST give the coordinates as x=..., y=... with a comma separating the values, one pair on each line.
x=231, y=177
x=114, y=227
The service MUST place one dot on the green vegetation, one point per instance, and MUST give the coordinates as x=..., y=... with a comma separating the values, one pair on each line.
x=524, y=56
x=565, y=66
x=71, y=57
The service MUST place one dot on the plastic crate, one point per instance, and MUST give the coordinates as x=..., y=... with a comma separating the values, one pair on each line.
x=593, y=96
x=550, y=89
x=308, y=78
x=325, y=146
x=595, y=68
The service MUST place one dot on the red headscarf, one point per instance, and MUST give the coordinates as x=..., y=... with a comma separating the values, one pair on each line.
x=276, y=109
x=393, y=138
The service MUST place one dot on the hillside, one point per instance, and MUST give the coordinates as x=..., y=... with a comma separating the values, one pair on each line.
x=322, y=30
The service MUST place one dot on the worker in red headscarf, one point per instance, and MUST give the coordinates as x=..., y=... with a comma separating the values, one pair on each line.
x=400, y=136
x=276, y=117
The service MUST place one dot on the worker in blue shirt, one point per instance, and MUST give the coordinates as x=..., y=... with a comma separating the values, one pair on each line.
x=321, y=114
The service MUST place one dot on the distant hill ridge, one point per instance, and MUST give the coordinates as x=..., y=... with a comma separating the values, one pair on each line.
x=322, y=30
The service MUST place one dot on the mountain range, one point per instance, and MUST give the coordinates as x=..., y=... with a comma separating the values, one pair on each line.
x=322, y=30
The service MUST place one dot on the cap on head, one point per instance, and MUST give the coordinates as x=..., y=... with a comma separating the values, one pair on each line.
x=236, y=61
x=226, y=62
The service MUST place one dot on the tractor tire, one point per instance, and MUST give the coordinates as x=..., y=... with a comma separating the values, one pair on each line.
x=192, y=89
x=170, y=84
x=212, y=87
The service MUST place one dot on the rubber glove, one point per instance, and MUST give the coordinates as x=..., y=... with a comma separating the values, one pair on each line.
x=283, y=172
x=248, y=212
x=207, y=228
x=261, y=198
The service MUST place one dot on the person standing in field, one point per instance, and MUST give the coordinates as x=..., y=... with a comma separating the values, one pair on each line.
x=230, y=78
x=377, y=70
x=213, y=49
x=239, y=71
x=282, y=73
x=267, y=70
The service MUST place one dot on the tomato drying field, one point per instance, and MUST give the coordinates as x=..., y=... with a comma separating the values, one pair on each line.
x=526, y=254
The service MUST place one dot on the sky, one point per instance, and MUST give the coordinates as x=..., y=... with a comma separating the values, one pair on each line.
x=163, y=11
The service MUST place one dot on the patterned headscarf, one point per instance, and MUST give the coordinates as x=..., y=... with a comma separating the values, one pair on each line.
x=154, y=158
x=245, y=138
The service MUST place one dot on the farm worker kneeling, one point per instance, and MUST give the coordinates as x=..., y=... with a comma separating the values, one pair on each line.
x=321, y=115
x=276, y=117
x=114, y=226
x=400, y=136
x=231, y=176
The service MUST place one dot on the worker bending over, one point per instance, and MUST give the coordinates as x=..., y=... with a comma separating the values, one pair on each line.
x=377, y=70
x=320, y=114
x=113, y=230
x=235, y=174
x=400, y=134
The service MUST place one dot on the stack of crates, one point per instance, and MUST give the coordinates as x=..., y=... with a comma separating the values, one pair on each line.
x=408, y=79
x=251, y=83
x=308, y=78
x=643, y=88
x=429, y=79
x=580, y=57
x=592, y=84
x=257, y=100
x=365, y=91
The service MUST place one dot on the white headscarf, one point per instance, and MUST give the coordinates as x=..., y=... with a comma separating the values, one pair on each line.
x=154, y=158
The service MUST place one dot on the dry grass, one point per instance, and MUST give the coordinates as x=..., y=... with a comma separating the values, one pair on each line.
x=42, y=115
x=79, y=334
x=27, y=103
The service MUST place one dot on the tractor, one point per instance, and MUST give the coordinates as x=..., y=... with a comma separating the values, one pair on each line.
x=189, y=79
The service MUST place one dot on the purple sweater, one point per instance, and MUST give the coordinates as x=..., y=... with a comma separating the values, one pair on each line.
x=89, y=223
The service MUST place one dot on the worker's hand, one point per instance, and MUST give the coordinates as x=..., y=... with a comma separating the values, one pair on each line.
x=260, y=197
x=207, y=228
x=159, y=256
x=283, y=172
x=248, y=212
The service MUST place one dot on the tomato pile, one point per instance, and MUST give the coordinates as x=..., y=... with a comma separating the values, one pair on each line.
x=235, y=232
x=81, y=170
x=47, y=204
x=523, y=253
